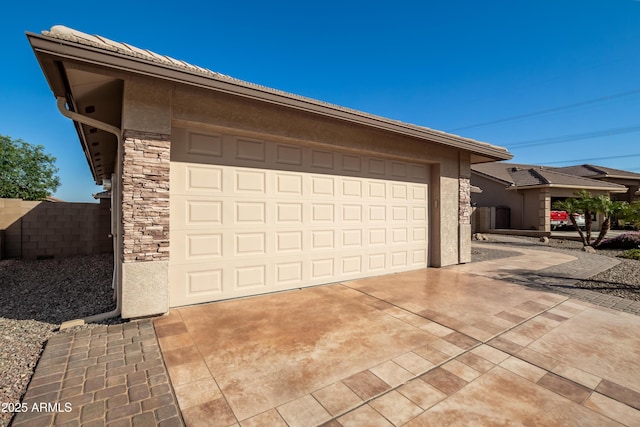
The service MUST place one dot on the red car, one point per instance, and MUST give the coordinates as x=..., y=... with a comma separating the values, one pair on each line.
x=560, y=219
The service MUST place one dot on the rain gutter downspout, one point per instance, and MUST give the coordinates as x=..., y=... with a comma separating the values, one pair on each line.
x=61, y=102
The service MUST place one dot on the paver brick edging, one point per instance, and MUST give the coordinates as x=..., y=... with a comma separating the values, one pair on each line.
x=105, y=375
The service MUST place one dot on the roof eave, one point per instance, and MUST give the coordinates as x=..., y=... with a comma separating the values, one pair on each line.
x=571, y=187
x=43, y=45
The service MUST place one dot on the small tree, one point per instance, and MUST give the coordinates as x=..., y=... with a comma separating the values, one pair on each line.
x=586, y=207
x=571, y=207
x=631, y=214
x=608, y=208
x=26, y=171
x=590, y=207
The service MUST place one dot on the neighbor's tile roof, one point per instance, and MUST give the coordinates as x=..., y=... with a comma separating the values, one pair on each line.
x=520, y=175
x=589, y=171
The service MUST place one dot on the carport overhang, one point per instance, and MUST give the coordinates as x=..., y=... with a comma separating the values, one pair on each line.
x=90, y=76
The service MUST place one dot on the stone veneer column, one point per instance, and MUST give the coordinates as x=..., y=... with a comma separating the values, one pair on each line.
x=145, y=223
x=464, y=219
x=464, y=212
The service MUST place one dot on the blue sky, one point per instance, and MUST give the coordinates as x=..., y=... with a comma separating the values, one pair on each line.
x=477, y=69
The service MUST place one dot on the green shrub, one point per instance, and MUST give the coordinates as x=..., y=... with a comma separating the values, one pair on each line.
x=629, y=240
x=631, y=254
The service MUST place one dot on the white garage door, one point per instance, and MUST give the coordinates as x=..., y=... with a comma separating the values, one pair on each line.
x=251, y=217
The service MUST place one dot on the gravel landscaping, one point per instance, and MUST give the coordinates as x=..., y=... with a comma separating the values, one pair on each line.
x=36, y=297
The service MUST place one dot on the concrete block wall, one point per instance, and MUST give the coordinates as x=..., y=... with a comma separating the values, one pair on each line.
x=54, y=229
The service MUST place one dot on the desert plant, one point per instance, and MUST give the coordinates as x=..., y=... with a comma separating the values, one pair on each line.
x=631, y=254
x=631, y=214
x=609, y=208
x=629, y=240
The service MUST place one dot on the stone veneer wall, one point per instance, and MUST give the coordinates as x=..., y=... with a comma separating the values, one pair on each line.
x=464, y=212
x=145, y=196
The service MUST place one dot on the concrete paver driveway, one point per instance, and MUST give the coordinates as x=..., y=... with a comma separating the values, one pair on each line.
x=429, y=347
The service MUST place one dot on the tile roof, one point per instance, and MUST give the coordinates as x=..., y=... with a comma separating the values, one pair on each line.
x=61, y=32
x=520, y=175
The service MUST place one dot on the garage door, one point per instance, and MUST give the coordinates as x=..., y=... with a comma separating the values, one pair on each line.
x=250, y=217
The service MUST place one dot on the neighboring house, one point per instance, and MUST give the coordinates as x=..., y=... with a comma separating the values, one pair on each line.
x=223, y=188
x=630, y=180
x=527, y=192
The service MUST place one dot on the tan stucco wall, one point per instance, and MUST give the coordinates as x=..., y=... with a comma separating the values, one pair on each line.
x=530, y=210
x=147, y=106
x=145, y=288
x=494, y=194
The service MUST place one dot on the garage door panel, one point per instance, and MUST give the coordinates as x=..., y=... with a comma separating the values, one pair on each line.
x=208, y=145
x=399, y=235
x=378, y=237
x=322, y=213
x=289, y=273
x=197, y=179
x=399, y=259
x=377, y=189
x=323, y=268
x=399, y=191
x=288, y=213
x=323, y=239
x=377, y=214
x=352, y=238
x=419, y=234
x=288, y=242
x=251, y=243
x=377, y=168
x=419, y=256
x=323, y=159
x=288, y=185
x=247, y=213
x=352, y=188
x=377, y=262
x=251, y=217
x=250, y=182
x=322, y=186
x=352, y=265
x=188, y=212
x=418, y=193
x=249, y=149
x=288, y=155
